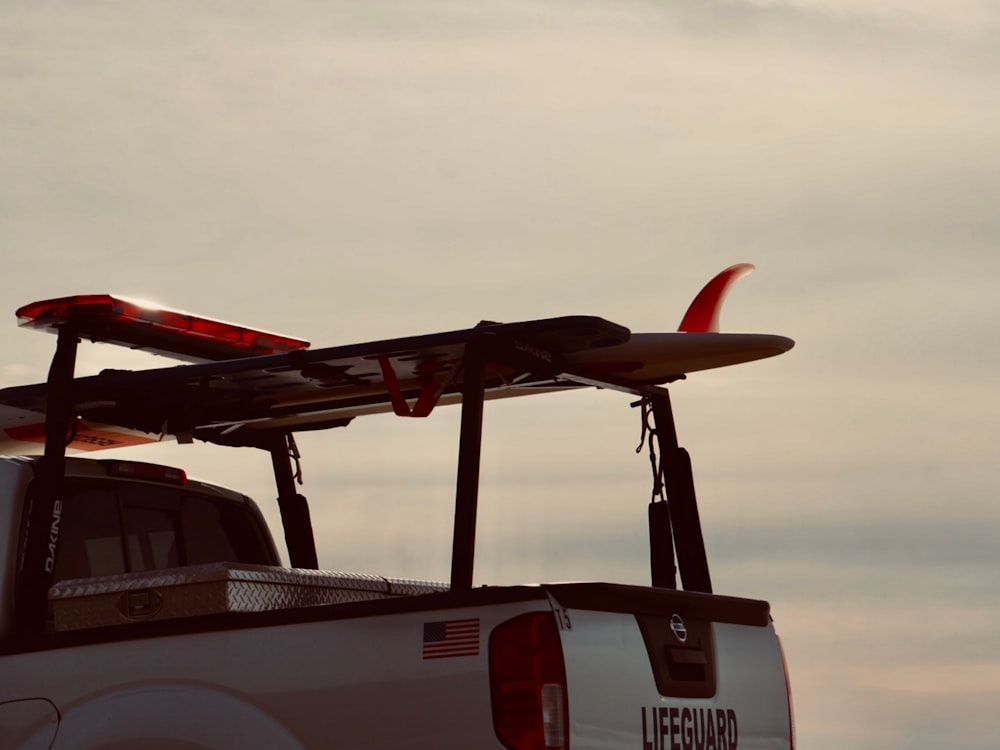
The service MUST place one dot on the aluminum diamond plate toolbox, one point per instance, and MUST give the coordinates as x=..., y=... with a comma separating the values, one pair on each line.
x=211, y=589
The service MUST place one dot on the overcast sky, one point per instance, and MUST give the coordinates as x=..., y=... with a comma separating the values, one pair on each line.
x=357, y=170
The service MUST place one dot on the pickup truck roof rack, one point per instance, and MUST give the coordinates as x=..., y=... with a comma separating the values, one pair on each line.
x=257, y=389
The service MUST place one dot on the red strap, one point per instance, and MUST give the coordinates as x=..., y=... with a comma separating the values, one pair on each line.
x=430, y=390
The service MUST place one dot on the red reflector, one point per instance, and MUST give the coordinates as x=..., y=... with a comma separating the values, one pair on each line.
x=147, y=472
x=101, y=317
x=528, y=683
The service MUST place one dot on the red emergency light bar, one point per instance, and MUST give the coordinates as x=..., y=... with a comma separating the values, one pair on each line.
x=115, y=320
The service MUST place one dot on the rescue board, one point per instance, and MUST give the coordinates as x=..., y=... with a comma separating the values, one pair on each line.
x=246, y=400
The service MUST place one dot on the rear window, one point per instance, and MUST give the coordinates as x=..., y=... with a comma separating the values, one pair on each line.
x=111, y=527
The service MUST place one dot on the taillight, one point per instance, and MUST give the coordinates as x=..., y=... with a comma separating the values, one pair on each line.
x=528, y=683
x=788, y=692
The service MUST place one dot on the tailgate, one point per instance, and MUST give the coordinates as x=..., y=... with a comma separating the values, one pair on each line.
x=659, y=669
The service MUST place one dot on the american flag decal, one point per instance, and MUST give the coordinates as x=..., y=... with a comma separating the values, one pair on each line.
x=451, y=638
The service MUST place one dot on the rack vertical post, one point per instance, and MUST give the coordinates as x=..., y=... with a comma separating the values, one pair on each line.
x=37, y=565
x=469, y=455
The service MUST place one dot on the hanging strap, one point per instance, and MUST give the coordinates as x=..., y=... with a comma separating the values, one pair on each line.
x=648, y=436
x=662, y=567
x=294, y=507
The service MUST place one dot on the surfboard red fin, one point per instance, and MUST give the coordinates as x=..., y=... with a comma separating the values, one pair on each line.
x=703, y=314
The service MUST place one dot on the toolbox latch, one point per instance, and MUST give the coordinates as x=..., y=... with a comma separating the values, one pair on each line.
x=140, y=605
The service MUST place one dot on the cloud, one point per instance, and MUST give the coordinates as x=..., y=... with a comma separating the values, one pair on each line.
x=354, y=172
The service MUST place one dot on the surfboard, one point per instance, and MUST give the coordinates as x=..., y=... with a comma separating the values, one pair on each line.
x=248, y=399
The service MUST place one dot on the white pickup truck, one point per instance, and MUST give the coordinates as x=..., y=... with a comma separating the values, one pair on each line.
x=143, y=609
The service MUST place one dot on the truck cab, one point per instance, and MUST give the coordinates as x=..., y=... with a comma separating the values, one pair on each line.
x=120, y=517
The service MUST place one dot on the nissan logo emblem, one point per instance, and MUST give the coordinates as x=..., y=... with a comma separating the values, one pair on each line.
x=678, y=628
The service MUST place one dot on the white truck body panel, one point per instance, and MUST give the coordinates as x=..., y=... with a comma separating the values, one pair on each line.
x=28, y=724
x=615, y=702
x=357, y=682
x=362, y=682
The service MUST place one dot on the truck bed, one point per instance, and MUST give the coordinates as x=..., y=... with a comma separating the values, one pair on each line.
x=385, y=673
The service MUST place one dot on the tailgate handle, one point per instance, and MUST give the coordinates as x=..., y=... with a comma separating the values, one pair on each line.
x=686, y=656
x=686, y=664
